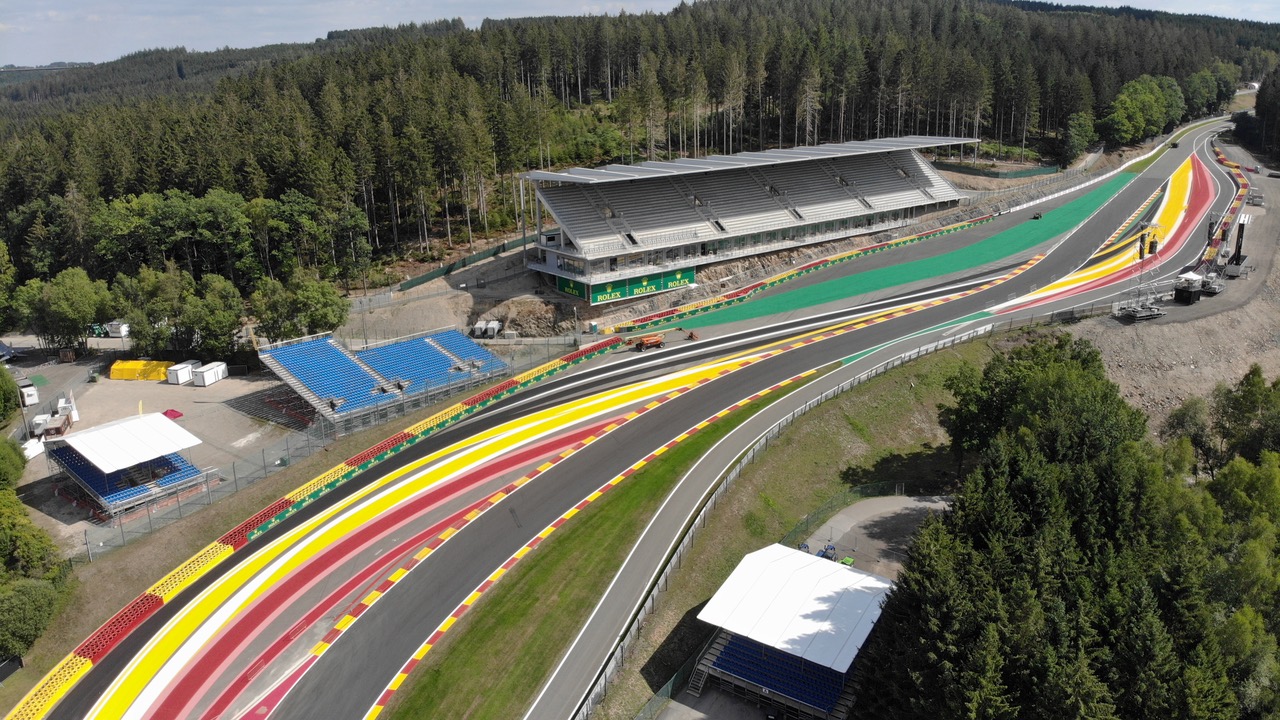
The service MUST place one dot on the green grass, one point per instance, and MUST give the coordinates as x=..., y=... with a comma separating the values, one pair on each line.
x=493, y=662
x=885, y=430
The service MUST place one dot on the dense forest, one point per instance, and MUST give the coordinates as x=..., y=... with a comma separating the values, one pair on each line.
x=334, y=157
x=1084, y=572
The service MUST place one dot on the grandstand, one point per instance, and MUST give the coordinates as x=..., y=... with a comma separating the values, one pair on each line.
x=791, y=625
x=340, y=383
x=624, y=231
x=125, y=463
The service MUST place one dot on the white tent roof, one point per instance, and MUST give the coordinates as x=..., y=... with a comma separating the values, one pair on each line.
x=799, y=603
x=128, y=442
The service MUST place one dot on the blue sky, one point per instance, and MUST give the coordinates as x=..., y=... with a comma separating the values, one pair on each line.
x=35, y=32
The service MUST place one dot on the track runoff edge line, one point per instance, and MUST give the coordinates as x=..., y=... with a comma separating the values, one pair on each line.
x=277, y=694
x=466, y=605
x=537, y=540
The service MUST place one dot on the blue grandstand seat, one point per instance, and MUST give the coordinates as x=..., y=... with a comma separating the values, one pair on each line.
x=176, y=469
x=120, y=496
x=462, y=346
x=799, y=679
x=330, y=373
x=417, y=362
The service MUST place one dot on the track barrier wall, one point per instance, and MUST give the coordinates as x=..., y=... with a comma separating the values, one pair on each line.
x=617, y=658
x=54, y=685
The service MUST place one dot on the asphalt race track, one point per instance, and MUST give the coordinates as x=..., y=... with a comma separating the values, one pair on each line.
x=350, y=677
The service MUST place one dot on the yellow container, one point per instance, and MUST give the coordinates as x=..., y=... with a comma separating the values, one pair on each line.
x=140, y=370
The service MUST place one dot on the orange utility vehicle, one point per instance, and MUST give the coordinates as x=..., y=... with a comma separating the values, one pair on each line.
x=649, y=341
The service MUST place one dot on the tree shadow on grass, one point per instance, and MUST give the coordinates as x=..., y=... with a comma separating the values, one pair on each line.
x=930, y=470
x=684, y=639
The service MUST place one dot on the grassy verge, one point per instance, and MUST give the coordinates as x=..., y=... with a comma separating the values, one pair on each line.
x=884, y=430
x=492, y=663
x=101, y=588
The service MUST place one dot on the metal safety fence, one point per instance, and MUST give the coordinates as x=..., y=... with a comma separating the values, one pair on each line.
x=213, y=485
x=618, y=656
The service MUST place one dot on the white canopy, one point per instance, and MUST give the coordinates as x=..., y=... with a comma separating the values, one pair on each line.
x=799, y=603
x=1190, y=277
x=131, y=441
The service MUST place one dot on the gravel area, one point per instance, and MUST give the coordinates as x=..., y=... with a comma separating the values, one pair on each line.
x=1159, y=364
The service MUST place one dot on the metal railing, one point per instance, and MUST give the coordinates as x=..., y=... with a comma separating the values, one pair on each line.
x=674, y=560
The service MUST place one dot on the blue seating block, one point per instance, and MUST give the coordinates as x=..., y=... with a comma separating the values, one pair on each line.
x=329, y=373
x=176, y=469
x=462, y=346
x=782, y=673
x=417, y=362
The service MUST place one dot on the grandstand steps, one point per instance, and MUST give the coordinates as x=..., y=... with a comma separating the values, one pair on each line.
x=616, y=221
x=779, y=198
x=457, y=361
x=298, y=386
x=698, y=679
x=849, y=186
x=686, y=190
x=384, y=383
x=910, y=177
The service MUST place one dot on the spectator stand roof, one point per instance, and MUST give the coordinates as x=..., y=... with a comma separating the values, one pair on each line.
x=686, y=166
x=131, y=441
x=799, y=603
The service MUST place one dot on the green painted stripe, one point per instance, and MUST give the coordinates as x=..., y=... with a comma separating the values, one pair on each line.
x=993, y=249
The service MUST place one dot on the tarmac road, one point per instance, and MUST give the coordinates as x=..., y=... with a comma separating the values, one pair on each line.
x=351, y=676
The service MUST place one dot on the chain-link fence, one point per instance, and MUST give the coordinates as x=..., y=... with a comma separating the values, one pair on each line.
x=213, y=485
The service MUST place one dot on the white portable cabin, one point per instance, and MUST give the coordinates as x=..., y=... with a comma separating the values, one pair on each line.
x=492, y=328
x=27, y=389
x=206, y=375
x=477, y=331
x=183, y=372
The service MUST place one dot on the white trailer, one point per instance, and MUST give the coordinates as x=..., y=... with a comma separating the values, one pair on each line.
x=491, y=329
x=184, y=372
x=118, y=329
x=206, y=375
x=27, y=389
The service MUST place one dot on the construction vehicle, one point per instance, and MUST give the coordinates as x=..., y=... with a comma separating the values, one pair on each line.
x=649, y=341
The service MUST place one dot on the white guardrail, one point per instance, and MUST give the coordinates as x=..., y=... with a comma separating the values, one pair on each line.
x=658, y=583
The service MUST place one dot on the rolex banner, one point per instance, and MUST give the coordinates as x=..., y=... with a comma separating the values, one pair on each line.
x=633, y=287
x=627, y=287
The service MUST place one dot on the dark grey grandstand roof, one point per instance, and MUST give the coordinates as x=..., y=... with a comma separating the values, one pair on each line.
x=685, y=166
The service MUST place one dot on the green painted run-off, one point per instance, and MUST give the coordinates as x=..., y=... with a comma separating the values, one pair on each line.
x=993, y=249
